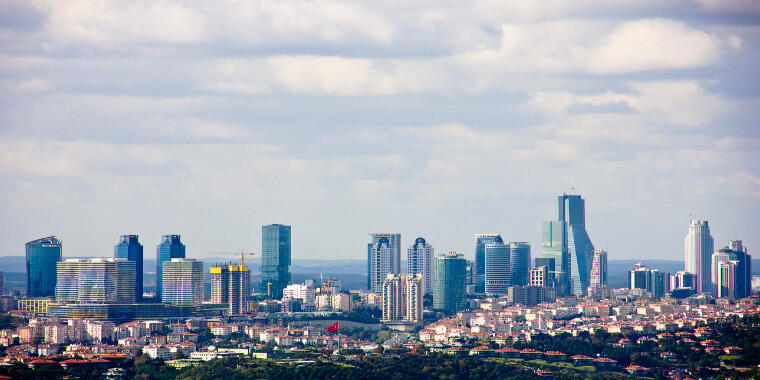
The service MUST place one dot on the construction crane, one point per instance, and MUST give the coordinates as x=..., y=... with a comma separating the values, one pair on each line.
x=243, y=254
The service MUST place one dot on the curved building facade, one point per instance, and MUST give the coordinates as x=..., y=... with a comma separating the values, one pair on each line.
x=498, y=271
x=449, y=272
x=419, y=260
x=698, y=250
x=42, y=256
x=519, y=262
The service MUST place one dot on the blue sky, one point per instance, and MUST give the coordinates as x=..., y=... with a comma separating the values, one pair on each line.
x=342, y=118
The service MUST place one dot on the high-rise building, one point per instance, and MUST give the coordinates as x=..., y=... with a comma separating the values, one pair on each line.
x=41, y=258
x=683, y=280
x=470, y=273
x=567, y=242
x=170, y=248
x=519, y=263
x=402, y=298
x=231, y=284
x=182, y=282
x=481, y=240
x=130, y=248
x=741, y=274
x=449, y=272
x=598, y=270
x=275, y=259
x=531, y=295
x=419, y=259
x=383, y=258
x=498, y=271
x=726, y=278
x=551, y=271
x=698, y=253
x=304, y=293
x=539, y=276
x=654, y=281
x=95, y=280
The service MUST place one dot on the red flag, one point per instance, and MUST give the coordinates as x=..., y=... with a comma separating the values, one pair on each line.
x=333, y=327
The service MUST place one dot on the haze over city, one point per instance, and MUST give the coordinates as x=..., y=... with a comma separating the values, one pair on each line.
x=444, y=120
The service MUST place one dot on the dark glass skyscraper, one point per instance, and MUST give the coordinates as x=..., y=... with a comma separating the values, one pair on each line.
x=41, y=258
x=449, y=272
x=519, y=263
x=566, y=240
x=275, y=259
x=131, y=249
x=481, y=240
x=170, y=248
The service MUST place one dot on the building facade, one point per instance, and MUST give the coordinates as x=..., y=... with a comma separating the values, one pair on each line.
x=275, y=259
x=419, y=260
x=481, y=240
x=95, y=281
x=170, y=248
x=231, y=284
x=498, y=271
x=653, y=281
x=449, y=280
x=698, y=247
x=741, y=273
x=130, y=248
x=402, y=299
x=567, y=242
x=519, y=263
x=383, y=258
x=598, y=270
x=42, y=255
x=182, y=282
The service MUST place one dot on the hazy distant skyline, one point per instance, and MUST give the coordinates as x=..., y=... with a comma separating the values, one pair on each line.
x=345, y=118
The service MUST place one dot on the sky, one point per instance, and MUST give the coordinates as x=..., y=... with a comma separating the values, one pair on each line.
x=438, y=119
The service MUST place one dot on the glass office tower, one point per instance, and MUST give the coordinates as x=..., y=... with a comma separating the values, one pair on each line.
x=519, y=262
x=698, y=250
x=275, y=259
x=449, y=272
x=567, y=242
x=170, y=248
x=130, y=248
x=498, y=271
x=42, y=256
x=480, y=259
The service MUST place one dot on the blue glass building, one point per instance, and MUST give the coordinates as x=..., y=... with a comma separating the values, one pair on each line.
x=498, y=271
x=275, y=259
x=170, y=248
x=481, y=240
x=42, y=256
x=449, y=277
x=130, y=248
x=567, y=242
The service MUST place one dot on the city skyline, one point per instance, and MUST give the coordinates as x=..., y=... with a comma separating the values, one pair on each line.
x=370, y=117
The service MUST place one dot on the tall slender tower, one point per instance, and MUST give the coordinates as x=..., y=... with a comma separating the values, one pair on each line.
x=420, y=260
x=131, y=249
x=449, y=282
x=498, y=272
x=481, y=240
x=383, y=258
x=170, y=248
x=275, y=259
x=41, y=258
x=567, y=242
x=698, y=253
x=598, y=269
x=519, y=263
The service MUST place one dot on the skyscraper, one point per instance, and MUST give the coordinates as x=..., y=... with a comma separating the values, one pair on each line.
x=698, y=253
x=741, y=274
x=131, y=249
x=402, y=298
x=169, y=248
x=653, y=281
x=683, y=280
x=519, y=262
x=231, y=284
x=420, y=260
x=182, y=282
x=480, y=259
x=567, y=241
x=449, y=282
x=41, y=258
x=383, y=258
x=598, y=269
x=275, y=259
x=498, y=272
x=96, y=280
x=550, y=271
x=726, y=278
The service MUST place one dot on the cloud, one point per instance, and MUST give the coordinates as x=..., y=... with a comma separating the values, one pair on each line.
x=654, y=44
x=32, y=86
x=609, y=107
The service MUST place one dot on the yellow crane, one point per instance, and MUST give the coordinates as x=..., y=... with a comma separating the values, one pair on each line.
x=243, y=254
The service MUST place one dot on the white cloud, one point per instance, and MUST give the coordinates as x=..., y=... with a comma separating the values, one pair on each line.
x=654, y=44
x=33, y=86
